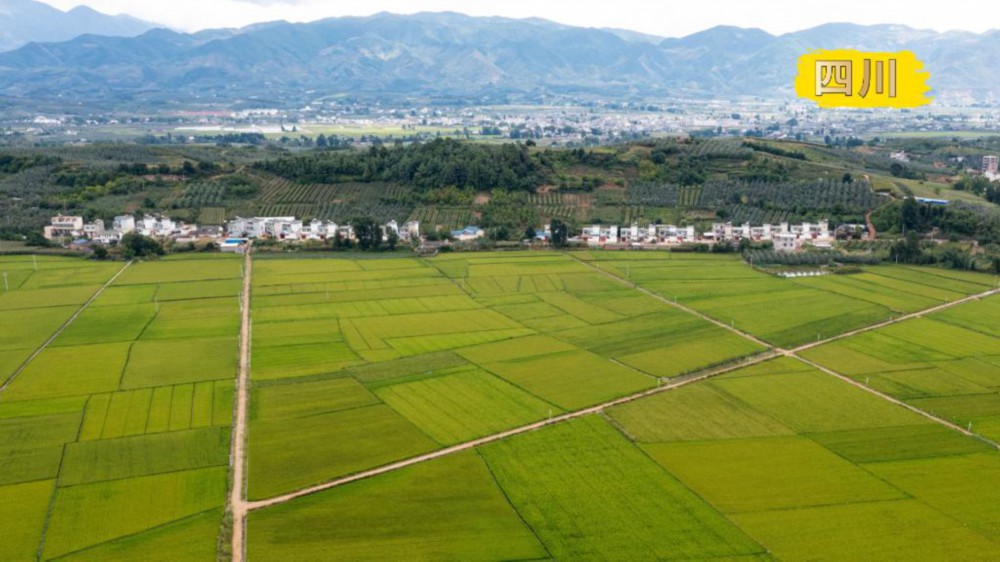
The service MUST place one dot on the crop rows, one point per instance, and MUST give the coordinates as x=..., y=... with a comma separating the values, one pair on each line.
x=448, y=219
x=342, y=212
x=201, y=195
x=605, y=197
x=560, y=211
x=854, y=197
x=212, y=215
x=646, y=193
x=721, y=148
x=741, y=214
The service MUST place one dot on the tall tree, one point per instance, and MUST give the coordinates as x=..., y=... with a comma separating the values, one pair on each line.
x=560, y=233
x=368, y=234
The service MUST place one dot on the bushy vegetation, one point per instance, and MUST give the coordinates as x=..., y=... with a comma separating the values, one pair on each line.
x=421, y=166
x=955, y=219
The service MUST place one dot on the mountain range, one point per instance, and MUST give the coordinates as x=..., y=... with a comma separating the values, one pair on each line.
x=24, y=21
x=455, y=56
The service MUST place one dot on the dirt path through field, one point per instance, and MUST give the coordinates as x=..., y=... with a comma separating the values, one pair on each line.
x=902, y=318
x=771, y=353
x=676, y=383
x=62, y=328
x=675, y=304
x=237, y=456
x=895, y=401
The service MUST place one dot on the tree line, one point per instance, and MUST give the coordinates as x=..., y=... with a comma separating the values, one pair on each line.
x=423, y=166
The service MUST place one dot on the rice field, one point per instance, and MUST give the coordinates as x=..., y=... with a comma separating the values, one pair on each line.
x=944, y=363
x=807, y=484
x=115, y=438
x=447, y=350
x=789, y=312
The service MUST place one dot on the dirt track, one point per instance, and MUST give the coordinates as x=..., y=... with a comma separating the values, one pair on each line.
x=237, y=457
x=241, y=507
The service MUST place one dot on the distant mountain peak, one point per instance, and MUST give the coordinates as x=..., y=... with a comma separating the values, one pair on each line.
x=455, y=56
x=27, y=21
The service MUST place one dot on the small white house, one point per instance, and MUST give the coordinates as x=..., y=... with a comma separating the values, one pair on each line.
x=61, y=226
x=468, y=234
x=123, y=224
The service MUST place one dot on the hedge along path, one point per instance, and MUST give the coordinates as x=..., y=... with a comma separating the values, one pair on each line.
x=65, y=325
x=237, y=456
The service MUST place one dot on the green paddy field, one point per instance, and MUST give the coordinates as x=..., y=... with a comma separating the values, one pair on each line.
x=117, y=409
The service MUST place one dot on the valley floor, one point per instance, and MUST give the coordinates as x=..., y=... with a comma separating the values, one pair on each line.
x=496, y=406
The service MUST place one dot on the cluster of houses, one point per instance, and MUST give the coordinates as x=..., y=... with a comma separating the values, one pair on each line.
x=158, y=226
x=291, y=229
x=785, y=237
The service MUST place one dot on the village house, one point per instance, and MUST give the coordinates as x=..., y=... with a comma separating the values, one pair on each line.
x=599, y=235
x=468, y=234
x=155, y=226
x=63, y=226
x=786, y=237
x=291, y=229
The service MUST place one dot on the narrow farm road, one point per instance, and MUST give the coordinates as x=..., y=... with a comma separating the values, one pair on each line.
x=897, y=402
x=679, y=382
x=902, y=318
x=62, y=328
x=237, y=456
x=676, y=383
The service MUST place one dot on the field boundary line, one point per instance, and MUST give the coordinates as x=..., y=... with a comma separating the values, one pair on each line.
x=896, y=401
x=506, y=498
x=674, y=303
x=62, y=328
x=770, y=352
x=237, y=456
x=677, y=383
x=902, y=318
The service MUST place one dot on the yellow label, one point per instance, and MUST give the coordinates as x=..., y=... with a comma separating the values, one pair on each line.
x=846, y=78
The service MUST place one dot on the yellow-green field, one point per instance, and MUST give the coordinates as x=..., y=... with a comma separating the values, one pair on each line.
x=115, y=435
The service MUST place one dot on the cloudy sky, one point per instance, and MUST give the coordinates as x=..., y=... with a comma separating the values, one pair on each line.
x=657, y=17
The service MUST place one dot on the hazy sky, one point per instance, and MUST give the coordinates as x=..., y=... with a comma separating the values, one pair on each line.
x=658, y=17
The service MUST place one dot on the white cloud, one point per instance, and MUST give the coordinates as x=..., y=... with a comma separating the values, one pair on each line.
x=660, y=18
